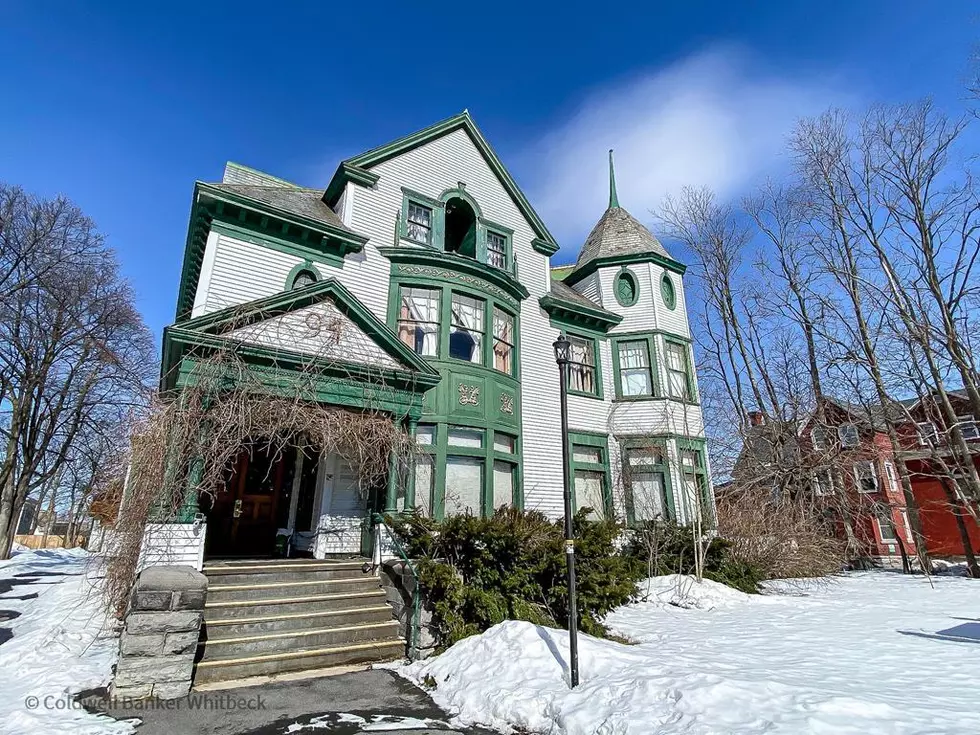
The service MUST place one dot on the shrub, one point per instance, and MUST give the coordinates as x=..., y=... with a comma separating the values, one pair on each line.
x=477, y=572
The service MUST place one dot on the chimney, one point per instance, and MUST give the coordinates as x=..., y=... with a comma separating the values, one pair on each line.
x=756, y=418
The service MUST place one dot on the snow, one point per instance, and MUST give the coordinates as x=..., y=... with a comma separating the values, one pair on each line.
x=868, y=652
x=61, y=645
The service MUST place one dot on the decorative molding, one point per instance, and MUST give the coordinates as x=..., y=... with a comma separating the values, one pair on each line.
x=469, y=395
x=507, y=404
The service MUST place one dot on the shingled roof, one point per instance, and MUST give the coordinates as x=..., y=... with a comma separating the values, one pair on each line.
x=617, y=232
x=295, y=200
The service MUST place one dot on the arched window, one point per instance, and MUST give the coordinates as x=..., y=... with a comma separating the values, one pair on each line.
x=460, y=228
x=667, y=290
x=303, y=277
x=626, y=288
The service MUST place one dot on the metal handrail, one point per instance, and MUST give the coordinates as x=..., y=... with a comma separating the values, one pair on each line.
x=379, y=520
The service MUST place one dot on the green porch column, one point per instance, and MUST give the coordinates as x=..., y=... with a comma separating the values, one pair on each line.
x=413, y=425
x=191, y=505
x=391, y=496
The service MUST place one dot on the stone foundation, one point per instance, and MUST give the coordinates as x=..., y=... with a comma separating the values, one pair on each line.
x=399, y=584
x=159, y=641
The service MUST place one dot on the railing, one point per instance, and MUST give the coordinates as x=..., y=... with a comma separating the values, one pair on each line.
x=414, y=616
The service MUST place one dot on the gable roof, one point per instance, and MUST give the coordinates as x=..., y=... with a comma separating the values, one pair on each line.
x=566, y=304
x=204, y=329
x=357, y=169
x=306, y=203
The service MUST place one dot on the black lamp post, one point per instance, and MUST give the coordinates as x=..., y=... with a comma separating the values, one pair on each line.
x=563, y=354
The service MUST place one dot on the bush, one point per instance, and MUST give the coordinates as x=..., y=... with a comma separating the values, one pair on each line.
x=477, y=572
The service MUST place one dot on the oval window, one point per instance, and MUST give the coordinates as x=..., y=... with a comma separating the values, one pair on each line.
x=667, y=289
x=626, y=288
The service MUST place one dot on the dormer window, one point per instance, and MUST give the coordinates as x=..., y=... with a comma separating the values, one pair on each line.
x=304, y=278
x=460, y=228
x=419, y=223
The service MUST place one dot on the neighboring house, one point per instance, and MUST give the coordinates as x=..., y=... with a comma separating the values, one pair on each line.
x=423, y=266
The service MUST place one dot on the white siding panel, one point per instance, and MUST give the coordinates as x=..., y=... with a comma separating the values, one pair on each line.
x=173, y=543
x=342, y=509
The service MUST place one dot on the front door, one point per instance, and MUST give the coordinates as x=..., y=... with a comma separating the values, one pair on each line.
x=243, y=516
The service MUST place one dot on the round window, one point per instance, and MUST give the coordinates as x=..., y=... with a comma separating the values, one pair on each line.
x=667, y=289
x=626, y=288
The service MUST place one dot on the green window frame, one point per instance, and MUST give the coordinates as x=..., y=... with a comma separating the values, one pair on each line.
x=696, y=472
x=626, y=287
x=588, y=455
x=496, y=246
x=668, y=291
x=580, y=369
x=676, y=347
x=412, y=228
x=497, y=453
x=622, y=369
x=305, y=271
x=646, y=456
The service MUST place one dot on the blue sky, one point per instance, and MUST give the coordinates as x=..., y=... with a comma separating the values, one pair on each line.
x=122, y=106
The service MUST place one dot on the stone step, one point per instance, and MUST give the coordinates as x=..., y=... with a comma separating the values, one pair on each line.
x=285, y=621
x=320, y=637
x=305, y=587
x=299, y=603
x=285, y=574
x=241, y=667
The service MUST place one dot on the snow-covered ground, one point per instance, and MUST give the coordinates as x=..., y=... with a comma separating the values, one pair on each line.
x=872, y=652
x=60, y=645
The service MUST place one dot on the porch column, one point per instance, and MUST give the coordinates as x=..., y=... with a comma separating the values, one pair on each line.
x=413, y=425
x=190, y=506
x=391, y=497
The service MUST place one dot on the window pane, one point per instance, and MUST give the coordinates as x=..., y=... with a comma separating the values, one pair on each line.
x=677, y=383
x=304, y=278
x=425, y=434
x=466, y=334
x=634, y=368
x=460, y=437
x=425, y=476
x=503, y=484
x=635, y=382
x=886, y=527
x=503, y=341
x=419, y=225
x=581, y=368
x=586, y=454
x=418, y=320
x=588, y=493
x=648, y=494
x=504, y=442
x=464, y=485
x=496, y=249
x=639, y=456
x=848, y=435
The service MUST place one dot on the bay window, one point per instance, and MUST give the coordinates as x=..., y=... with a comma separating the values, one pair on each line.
x=466, y=330
x=418, y=319
x=647, y=482
x=503, y=341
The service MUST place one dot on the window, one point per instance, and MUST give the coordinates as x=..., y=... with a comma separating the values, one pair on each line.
x=819, y=437
x=418, y=320
x=928, y=435
x=635, y=378
x=504, y=442
x=848, y=435
x=496, y=249
x=908, y=526
x=466, y=332
x=418, y=226
x=667, y=291
x=458, y=436
x=968, y=425
x=464, y=485
x=503, y=484
x=647, y=483
x=695, y=482
x=304, y=278
x=886, y=526
x=626, y=288
x=823, y=483
x=582, y=366
x=503, y=341
x=866, y=477
x=425, y=435
x=891, y=477
x=678, y=367
x=590, y=479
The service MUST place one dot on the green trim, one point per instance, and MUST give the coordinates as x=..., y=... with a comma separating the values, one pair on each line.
x=626, y=275
x=464, y=122
x=544, y=247
x=598, y=365
x=455, y=269
x=596, y=263
x=601, y=442
x=306, y=265
x=578, y=316
x=651, y=343
x=202, y=331
x=668, y=291
x=347, y=173
x=639, y=442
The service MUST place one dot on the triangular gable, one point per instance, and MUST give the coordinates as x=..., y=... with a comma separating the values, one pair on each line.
x=357, y=169
x=323, y=321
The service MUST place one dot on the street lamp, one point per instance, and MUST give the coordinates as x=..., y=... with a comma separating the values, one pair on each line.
x=563, y=355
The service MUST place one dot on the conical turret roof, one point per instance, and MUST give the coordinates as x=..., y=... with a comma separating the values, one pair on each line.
x=617, y=232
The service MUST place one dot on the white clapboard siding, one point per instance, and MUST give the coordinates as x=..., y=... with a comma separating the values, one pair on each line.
x=343, y=509
x=173, y=544
x=591, y=288
x=320, y=330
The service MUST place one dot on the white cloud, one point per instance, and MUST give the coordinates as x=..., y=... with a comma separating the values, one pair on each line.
x=712, y=119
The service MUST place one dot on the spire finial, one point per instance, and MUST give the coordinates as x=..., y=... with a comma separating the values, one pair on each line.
x=613, y=198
